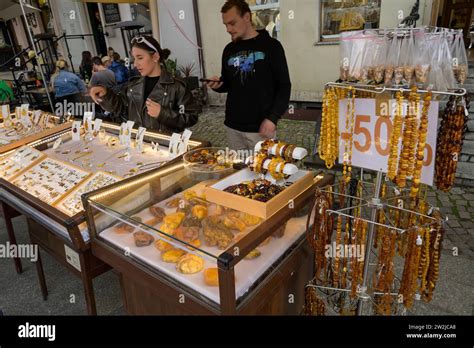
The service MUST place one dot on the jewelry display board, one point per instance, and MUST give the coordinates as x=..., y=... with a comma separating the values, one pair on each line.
x=16, y=162
x=12, y=129
x=105, y=154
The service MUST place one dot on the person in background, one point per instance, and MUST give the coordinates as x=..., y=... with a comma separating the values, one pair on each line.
x=64, y=82
x=255, y=76
x=85, y=69
x=101, y=76
x=133, y=71
x=154, y=100
x=33, y=60
x=119, y=69
x=6, y=92
x=106, y=61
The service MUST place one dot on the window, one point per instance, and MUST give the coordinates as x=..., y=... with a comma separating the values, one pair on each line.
x=266, y=15
x=346, y=15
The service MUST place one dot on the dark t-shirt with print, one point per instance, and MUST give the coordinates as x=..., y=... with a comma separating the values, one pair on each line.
x=256, y=78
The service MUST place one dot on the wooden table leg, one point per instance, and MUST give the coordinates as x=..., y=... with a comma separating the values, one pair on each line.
x=42, y=279
x=88, y=285
x=227, y=291
x=8, y=215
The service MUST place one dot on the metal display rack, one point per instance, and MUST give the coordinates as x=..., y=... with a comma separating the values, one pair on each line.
x=372, y=206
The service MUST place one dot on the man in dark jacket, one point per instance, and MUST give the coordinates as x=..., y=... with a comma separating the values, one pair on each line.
x=255, y=76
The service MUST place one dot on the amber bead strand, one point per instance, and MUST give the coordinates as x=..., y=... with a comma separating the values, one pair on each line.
x=395, y=138
x=403, y=166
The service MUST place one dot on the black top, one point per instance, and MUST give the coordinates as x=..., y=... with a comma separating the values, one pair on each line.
x=150, y=83
x=85, y=71
x=255, y=75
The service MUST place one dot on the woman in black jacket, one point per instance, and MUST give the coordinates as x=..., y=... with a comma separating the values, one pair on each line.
x=85, y=69
x=155, y=99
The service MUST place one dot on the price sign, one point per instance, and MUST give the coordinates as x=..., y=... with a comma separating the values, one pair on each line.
x=372, y=131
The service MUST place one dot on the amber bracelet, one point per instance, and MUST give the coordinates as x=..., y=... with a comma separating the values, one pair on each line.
x=273, y=166
x=260, y=160
x=278, y=149
x=266, y=145
x=288, y=154
x=284, y=150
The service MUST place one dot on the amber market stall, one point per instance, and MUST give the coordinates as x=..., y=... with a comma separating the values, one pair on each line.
x=54, y=171
x=386, y=239
x=177, y=252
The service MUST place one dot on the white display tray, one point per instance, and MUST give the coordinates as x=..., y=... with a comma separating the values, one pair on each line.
x=102, y=153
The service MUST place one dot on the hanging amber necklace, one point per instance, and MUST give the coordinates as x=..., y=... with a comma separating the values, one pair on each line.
x=318, y=233
x=423, y=135
x=450, y=141
x=350, y=120
x=329, y=134
x=405, y=156
x=336, y=254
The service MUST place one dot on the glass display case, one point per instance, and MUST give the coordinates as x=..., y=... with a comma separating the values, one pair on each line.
x=63, y=169
x=178, y=253
x=13, y=134
x=347, y=15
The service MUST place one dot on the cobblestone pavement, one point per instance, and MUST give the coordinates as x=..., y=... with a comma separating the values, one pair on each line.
x=211, y=127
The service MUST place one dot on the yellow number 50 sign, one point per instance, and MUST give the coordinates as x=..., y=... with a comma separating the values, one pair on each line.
x=372, y=134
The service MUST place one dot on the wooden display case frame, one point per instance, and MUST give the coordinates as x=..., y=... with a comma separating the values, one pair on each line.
x=79, y=187
x=5, y=149
x=43, y=219
x=7, y=212
x=149, y=291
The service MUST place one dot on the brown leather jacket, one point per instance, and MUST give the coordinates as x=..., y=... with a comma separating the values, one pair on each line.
x=178, y=107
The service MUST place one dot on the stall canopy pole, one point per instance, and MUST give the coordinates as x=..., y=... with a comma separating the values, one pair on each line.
x=155, y=21
x=36, y=54
x=11, y=42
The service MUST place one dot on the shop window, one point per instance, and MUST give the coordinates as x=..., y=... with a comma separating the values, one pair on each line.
x=346, y=15
x=266, y=15
x=141, y=14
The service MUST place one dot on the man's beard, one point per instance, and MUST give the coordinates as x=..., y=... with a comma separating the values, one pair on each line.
x=237, y=39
